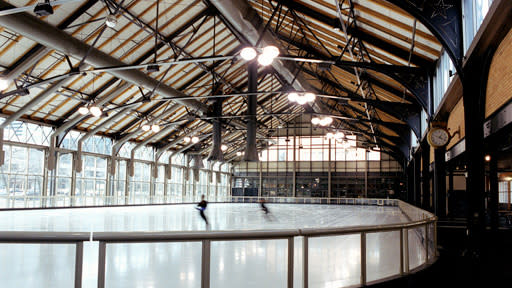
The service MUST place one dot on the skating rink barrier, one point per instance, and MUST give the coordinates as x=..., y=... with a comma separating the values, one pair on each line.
x=422, y=223
x=60, y=201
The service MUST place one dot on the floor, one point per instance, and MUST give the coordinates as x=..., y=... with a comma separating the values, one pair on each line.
x=333, y=261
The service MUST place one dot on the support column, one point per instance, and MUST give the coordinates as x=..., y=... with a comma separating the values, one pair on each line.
x=493, y=191
x=329, y=178
x=474, y=86
x=366, y=174
x=260, y=179
x=451, y=204
x=251, y=152
x=425, y=176
x=216, y=152
x=410, y=182
x=439, y=191
x=294, y=165
x=417, y=180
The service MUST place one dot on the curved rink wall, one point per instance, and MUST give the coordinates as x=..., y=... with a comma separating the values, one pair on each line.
x=334, y=261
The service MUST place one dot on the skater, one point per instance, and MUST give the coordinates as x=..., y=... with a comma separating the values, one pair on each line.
x=263, y=207
x=201, y=206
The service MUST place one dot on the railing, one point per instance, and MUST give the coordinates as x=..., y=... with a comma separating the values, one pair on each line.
x=8, y=202
x=316, y=200
x=427, y=225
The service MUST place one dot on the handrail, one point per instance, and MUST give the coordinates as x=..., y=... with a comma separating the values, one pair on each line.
x=42, y=236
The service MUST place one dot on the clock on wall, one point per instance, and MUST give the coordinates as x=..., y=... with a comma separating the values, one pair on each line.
x=438, y=137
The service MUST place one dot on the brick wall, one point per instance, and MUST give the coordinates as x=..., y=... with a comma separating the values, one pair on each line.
x=499, y=85
x=456, y=122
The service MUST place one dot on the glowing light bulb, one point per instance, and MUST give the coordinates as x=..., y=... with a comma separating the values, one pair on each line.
x=248, y=53
x=111, y=21
x=329, y=135
x=326, y=121
x=83, y=110
x=187, y=139
x=293, y=97
x=223, y=147
x=146, y=127
x=238, y=153
x=195, y=139
x=302, y=100
x=271, y=51
x=339, y=135
x=315, y=120
x=310, y=97
x=155, y=128
x=95, y=111
x=265, y=60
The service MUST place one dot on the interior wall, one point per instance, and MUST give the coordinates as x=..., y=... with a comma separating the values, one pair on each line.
x=456, y=123
x=499, y=85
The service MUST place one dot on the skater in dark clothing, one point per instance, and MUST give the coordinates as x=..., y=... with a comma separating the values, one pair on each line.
x=263, y=207
x=201, y=207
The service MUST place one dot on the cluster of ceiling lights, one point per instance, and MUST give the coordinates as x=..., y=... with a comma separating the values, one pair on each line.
x=153, y=127
x=266, y=55
x=301, y=98
x=322, y=121
x=338, y=137
x=239, y=153
x=193, y=139
x=93, y=109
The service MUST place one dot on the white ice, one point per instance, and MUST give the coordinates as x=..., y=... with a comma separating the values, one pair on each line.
x=333, y=261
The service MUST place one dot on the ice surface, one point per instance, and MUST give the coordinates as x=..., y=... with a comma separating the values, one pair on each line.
x=333, y=261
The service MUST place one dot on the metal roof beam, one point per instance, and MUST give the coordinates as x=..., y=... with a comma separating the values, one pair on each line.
x=334, y=22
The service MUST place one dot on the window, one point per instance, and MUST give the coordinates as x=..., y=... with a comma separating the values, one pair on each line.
x=120, y=181
x=504, y=192
x=175, y=185
x=315, y=148
x=474, y=12
x=22, y=173
x=160, y=184
x=140, y=182
x=98, y=144
x=91, y=182
x=64, y=174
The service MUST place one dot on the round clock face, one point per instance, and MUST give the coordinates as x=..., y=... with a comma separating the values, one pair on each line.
x=439, y=137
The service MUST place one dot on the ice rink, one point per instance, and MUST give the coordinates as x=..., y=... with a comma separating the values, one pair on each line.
x=333, y=261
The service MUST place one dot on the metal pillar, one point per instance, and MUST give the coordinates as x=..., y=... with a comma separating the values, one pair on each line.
x=294, y=165
x=473, y=87
x=439, y=189
x=417, y=180
x=425, y=176
x=366, y=164
x=251, y=152
x=493, y=192
x=450, y=191
x=216, y=152
x=329, y=178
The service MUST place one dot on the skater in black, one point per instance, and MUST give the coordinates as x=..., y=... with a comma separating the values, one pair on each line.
x=263, y=207
x=201, y=207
